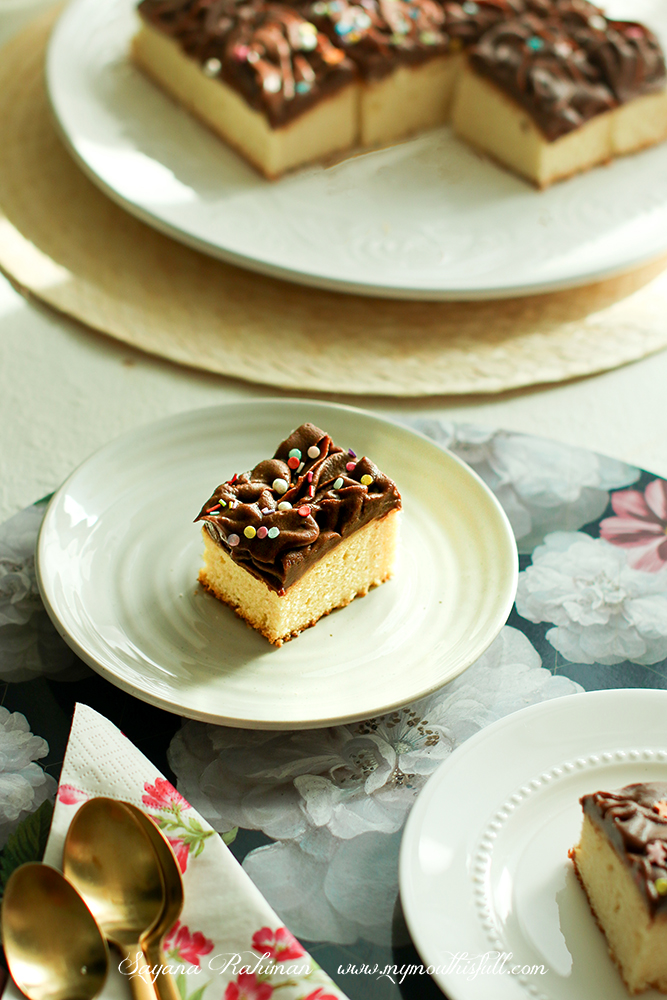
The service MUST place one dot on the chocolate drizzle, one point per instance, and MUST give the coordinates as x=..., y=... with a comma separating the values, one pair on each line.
x=634, y=819
x=328, y=502
x=268, y=51
x=378, y=35
x=561, y=60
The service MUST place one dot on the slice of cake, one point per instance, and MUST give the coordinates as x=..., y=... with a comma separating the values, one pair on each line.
x=556, y=91
x=621, y=862
x=302, y=533
x=256, y=72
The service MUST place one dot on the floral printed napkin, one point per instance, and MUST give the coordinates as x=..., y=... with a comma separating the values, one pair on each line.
x=228, y=944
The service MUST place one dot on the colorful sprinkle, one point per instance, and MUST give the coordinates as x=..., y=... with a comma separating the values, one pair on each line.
x=304, y=511
x=262, y=532
x=233, y=540
x=293, y=462
x=272, y=83
x=634, y=31
x=284, y=505
x=266, y=510
x=339, y=483
x=252, y=57
x=303, y=87
x=212, y=67
x=429, y=38
x=313, y=451
x=535, y=43
x=470, y=7
x=598, y=22
x=240, y=52
x=294, y=453
x=249, y=531
x=274, y=532
x=307, y=36
x=351, y=466
x=301, y=466
x=661, y=886
x=366, y=480
x=309, y=477
x=351, y=453
x=223, y=503
x=320, y=8
x=280, y=485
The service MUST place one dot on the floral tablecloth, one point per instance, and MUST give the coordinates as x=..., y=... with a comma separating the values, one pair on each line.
x=316, y=816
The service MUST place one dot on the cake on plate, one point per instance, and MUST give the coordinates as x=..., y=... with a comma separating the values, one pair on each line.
x=621, y=862
x=299, y=535
x=547, y=88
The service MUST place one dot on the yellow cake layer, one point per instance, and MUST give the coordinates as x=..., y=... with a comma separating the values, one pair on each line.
x=363, y=560
x=637, y=940
x=493, y=122
x=409, y=100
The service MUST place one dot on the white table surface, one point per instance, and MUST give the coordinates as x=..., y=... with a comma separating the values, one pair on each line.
x=65, y=391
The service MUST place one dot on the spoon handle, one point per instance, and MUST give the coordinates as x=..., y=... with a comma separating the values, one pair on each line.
x=135, y=966
x=165, y=984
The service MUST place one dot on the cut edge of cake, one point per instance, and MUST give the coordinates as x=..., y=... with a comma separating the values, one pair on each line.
x=360, y=561
x=637, y=940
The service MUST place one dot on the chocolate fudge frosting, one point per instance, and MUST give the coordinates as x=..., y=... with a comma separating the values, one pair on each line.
x=567, y=63
x=281, y=517
x=634, y=819
x=267, y=51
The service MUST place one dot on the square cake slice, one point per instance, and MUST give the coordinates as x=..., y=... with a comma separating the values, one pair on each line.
x=257, y=73
x=299, y=535
x=621, y=862
x=554, y=93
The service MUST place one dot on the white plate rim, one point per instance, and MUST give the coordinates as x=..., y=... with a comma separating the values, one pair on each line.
x=595, y=705
x=63, y=622
x=577, y=278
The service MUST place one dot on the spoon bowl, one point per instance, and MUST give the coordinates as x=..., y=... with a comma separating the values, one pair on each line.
x=152, y=940
x=54, y=949
x=109, y=858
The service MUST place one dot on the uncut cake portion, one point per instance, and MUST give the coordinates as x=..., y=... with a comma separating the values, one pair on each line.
x=561, y=89
x=256, y=72
x=621, y=862
x=299, y=535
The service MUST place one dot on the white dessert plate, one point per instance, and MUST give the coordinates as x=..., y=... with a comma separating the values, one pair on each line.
x=484, y=868
x=427, y=219
x=118, y=557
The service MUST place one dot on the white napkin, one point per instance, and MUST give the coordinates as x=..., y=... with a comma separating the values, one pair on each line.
x=226, y=926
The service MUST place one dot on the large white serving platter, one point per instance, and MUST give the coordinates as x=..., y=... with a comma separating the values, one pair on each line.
x=118, y=557
x=427, y=219
x=484, y=867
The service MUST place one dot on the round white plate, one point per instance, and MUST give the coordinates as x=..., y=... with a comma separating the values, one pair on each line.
x=427, y=219
x=118, y=557
x=484, y=866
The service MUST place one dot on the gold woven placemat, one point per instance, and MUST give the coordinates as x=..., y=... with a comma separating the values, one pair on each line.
x=65, y=242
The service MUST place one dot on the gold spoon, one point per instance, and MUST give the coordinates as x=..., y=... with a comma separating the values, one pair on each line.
x=53, y=946
x=152, y=941
x=110, y=859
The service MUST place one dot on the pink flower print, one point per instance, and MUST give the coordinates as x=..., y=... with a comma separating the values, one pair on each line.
x=69, y=795
x=656, y=852
x=189, y=947
x=163, y=795
x=279, y=944
x=641, y=523
x=246, y=987
x=319, y=994
x=182, y=852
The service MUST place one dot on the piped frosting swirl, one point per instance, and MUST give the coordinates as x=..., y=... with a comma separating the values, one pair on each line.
x=279, y=518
